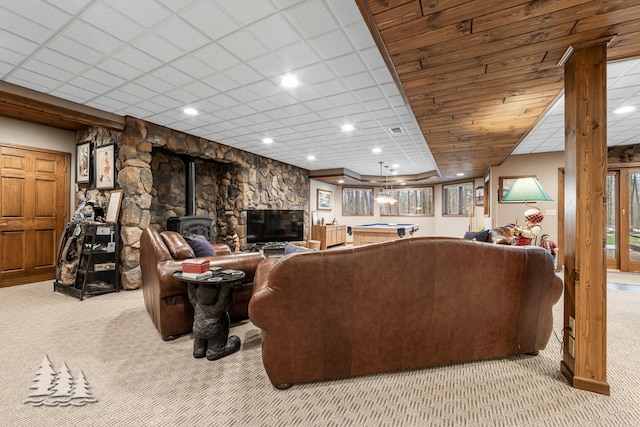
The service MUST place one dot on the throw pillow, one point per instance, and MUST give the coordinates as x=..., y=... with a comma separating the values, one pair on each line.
x=291, y=248
x=201, y=246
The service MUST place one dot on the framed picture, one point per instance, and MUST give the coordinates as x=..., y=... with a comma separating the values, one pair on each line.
x=104, y=167
x=113, y=208
x=314, y=218
x=324, y=200
x=83, y=162
x=478, y=196
x=505, y=183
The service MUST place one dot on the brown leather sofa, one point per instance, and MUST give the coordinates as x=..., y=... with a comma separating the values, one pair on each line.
x=398, y=305
x=166, y=298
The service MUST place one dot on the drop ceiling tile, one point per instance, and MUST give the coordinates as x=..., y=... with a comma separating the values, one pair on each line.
x=81, y=95
x=274, y=31
x=243, y=46
x=220, y=82
x=42, y=13
x=331, y=45
x=243, y=74
x=177, y=32
x=242, y=110
x=137, y=59
x=172, y=75
x=223, y=101
x=359, y=81
x=282, y=99
x=36, y=78
x=346, y=65
x=210, y=19
x=298, y=55
x=248, y=14
x=24, y=28
x=242, y=95
x=315, y=73
x=92, y=37
x=103, y=78
x=153, y=83
x=311, y=18
x=193, y=67
x=16, y=43
x=269, y=65
x=91, y=85
x=306, y=93
x=120, y=69
x=107, y=104
x=110, y=21
x=342, y=99
x=183, y=96
x=146, y=12
x=158, y=47
x=47, y=70
x=200, y=89
x=167, y=103
x=261, y=105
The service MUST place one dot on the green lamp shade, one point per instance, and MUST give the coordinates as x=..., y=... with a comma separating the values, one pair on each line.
x=527, y=190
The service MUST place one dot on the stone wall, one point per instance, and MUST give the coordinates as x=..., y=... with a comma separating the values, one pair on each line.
x=229, y=181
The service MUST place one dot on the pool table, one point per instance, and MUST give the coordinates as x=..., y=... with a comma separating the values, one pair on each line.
x=371, y=233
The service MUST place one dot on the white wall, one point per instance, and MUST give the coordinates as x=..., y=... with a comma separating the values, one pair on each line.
x=19, y=132
x=544, y=166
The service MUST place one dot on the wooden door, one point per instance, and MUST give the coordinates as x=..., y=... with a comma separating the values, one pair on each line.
x=33, y=204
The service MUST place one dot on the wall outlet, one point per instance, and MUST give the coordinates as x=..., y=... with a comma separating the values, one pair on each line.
x=572, y=346
x=572, y=325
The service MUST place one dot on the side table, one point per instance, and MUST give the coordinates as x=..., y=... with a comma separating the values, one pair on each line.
x=211, y=298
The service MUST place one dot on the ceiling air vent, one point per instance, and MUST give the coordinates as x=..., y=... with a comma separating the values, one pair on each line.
x=396, y=130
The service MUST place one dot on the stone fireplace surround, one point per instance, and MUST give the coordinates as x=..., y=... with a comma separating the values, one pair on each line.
x=152, y=175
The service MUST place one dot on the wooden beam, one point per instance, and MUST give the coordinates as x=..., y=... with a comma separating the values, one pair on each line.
x=584, y=361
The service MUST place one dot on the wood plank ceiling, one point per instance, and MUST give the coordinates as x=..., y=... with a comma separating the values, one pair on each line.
x=479, y=74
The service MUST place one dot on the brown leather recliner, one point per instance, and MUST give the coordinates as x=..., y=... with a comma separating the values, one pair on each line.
x=166, y=298
x=403, y=304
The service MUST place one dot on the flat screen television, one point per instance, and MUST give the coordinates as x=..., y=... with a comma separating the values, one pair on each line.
x=265, y=226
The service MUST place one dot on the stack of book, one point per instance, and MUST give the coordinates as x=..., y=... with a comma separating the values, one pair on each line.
x=196, y=268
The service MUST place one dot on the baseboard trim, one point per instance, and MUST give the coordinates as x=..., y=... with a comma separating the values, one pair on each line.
x=588, y=384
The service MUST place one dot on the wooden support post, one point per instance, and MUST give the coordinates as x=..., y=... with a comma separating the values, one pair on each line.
x=585, y=279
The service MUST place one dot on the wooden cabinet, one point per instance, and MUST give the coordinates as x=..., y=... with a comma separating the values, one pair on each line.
x=330, y=235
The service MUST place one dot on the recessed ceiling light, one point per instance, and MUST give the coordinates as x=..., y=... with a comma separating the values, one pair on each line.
x=394, y=172
x=341, y=181
x=403, y=183
x=623, y=110
x=268, y=141
x=460, y=174
x=395, y=166
x=311, y=157
x=376, y=150
x=347, y=128
x=190, y=111
x=289, y=81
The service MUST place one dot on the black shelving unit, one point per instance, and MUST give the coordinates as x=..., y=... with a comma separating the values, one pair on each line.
x=98, y=268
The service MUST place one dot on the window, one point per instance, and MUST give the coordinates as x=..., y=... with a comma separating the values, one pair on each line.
x=411, y=202
x=357, y=201
x=457, y=199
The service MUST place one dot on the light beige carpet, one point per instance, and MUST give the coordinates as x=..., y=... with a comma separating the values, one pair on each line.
x=140, y=380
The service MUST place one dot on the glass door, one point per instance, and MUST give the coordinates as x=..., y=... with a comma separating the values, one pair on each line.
x=633, y=248
x=613, y=257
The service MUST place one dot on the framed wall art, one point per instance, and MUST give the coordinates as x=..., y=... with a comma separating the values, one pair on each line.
x=83, y=162
x=113, y=208
x=324, y=200
x=505, y=183
x=104, y=167
x=478, y=197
